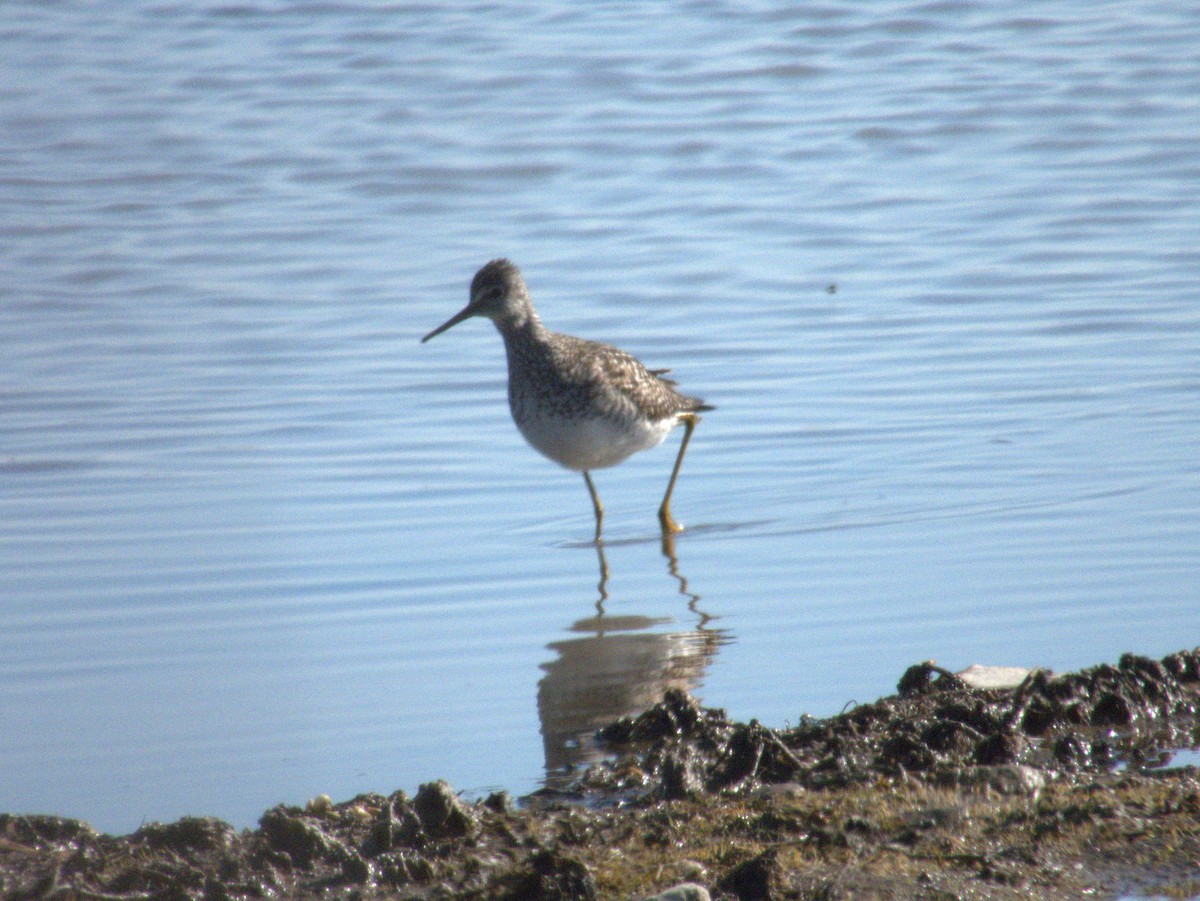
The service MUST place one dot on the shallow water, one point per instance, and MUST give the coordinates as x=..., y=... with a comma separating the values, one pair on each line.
x=936, y=264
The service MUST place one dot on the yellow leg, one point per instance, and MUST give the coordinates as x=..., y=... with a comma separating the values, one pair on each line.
x=595, y=503
x=664, y=512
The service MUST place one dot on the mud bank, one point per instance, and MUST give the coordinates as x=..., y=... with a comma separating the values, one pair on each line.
x=1057, y=788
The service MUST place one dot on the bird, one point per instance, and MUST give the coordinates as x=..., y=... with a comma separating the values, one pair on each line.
x=584, y=404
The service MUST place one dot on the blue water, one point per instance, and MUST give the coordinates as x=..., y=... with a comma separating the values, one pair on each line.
x=936, y=264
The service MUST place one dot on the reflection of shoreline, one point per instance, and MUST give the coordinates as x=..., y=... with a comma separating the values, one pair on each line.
x=619, y=669
x=595, y=680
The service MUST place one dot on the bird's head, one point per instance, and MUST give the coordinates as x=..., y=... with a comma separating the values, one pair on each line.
x=497, y=292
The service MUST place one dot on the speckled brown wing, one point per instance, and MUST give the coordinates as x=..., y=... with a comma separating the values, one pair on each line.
x=620, y=376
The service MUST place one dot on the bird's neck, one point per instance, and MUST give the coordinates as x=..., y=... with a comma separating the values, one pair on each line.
x=521, y=326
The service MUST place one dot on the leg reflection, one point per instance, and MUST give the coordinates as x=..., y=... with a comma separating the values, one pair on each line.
x=668, y=549
x=602, y=587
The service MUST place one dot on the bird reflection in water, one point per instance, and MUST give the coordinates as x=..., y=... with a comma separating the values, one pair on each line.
x=619, y=667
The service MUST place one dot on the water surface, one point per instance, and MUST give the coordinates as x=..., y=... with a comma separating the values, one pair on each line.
x=935, y=264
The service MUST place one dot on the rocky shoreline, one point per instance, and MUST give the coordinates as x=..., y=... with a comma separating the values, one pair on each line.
x=1058, y=787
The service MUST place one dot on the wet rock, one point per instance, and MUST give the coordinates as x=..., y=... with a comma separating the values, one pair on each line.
x=552, y=876
x=1184, y=666
x=394, y=825
x=906, y=752
x=1149, y=669
x=37, y=829
x=740, y=757
x=403, y=868
x=923, y=678
x=1070, y=752
x=383, y=833
x=677, y=714
x=947, y=736
x=1102, y=756
x=441, y=813
x=752, y=880
x=215, y=890
x=685, y=891
x=997, y=749
x=500, y=802
x=355, y=870
x=1039, y=717
x=975, y=712
x=187, y=834
x=320, y=806
x=680, y=775
x=1111, y=710
x=289, y=833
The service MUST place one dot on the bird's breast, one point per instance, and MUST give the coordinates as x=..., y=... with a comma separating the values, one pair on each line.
x=583, y=440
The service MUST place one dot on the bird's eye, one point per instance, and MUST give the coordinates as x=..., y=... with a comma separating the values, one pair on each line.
x=496, y=292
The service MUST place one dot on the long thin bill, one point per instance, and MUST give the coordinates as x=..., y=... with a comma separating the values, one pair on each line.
x=465, y=313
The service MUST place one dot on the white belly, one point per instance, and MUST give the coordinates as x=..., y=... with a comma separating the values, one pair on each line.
x=591, y=443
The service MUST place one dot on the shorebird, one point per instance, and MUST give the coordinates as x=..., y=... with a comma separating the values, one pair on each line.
x=583, y=404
